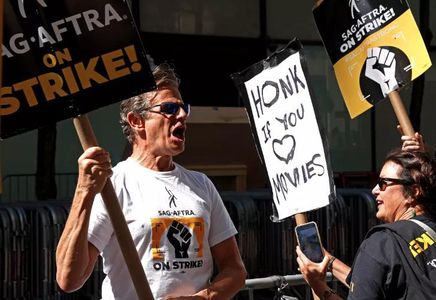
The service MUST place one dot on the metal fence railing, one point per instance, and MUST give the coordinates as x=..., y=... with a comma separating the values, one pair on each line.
x=279, y=284
x=22, y=187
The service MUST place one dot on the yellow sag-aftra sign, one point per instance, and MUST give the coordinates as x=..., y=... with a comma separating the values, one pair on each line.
x=375, y=47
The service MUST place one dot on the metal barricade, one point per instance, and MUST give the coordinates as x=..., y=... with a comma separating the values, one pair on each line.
x=21, y=187
x=361, y=217
x=279, y=283
x=29, y=233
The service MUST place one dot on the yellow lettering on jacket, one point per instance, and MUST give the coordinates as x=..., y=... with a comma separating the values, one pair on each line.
x=420, y=244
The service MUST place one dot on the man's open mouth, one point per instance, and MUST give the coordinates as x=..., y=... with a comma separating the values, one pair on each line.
x=179, y=132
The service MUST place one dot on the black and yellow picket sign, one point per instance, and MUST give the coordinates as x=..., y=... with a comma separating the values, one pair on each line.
x=62, y=59
x=375, y=47
x=65, y=58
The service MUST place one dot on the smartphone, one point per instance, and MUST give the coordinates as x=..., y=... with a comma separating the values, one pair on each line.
x=309, y=241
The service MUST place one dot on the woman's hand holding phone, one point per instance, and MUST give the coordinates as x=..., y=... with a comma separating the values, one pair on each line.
x=309, y=241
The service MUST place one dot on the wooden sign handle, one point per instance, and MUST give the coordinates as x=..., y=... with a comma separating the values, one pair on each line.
x=300, y=218
x=400, y=112
x=318, y=2
x=122, y=233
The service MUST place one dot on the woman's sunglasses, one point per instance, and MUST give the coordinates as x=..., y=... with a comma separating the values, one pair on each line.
x=170, y=108
x=384, y=182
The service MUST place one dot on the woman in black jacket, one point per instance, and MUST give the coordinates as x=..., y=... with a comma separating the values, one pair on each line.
x=396, y=260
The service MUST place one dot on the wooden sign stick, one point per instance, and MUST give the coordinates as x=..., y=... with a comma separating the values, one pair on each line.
x=300, y=218
x=400, y=112
x=122, y=233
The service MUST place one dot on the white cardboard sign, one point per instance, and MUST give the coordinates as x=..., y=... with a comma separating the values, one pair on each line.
x=289, y=137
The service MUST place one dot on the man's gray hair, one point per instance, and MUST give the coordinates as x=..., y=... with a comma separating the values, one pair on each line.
x=164, y=75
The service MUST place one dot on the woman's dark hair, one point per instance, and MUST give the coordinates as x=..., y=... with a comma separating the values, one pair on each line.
x=420, y=168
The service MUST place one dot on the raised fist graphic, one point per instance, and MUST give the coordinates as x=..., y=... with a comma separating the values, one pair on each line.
x=380, y=67
x=180, y=237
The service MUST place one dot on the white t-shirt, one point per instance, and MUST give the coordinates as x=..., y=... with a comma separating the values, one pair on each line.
x=174, y=218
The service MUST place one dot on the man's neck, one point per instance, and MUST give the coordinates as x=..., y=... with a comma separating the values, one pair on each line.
x=153, y=162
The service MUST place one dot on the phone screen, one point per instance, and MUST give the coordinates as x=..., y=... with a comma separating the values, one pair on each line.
x=308, y=238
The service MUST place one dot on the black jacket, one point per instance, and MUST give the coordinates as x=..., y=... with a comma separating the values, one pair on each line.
x=395, y=261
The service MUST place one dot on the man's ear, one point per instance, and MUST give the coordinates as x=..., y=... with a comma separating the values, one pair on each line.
x=136, y=122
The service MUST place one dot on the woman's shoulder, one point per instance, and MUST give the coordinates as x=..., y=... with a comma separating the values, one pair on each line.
x=384, y=238
x=378, y=235
x=381, y=246
x=400, y=233
x=428, y=220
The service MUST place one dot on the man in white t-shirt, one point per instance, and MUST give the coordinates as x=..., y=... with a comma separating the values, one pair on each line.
x=176, y=217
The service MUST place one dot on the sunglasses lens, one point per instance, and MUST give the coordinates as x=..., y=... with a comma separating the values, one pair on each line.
x=381, y=184
x=169, y=108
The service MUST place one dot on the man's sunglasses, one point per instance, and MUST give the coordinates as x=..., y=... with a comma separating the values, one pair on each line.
x=384, y=182
x=170, y=108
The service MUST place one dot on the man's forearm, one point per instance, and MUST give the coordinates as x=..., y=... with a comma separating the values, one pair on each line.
x=73, y=259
